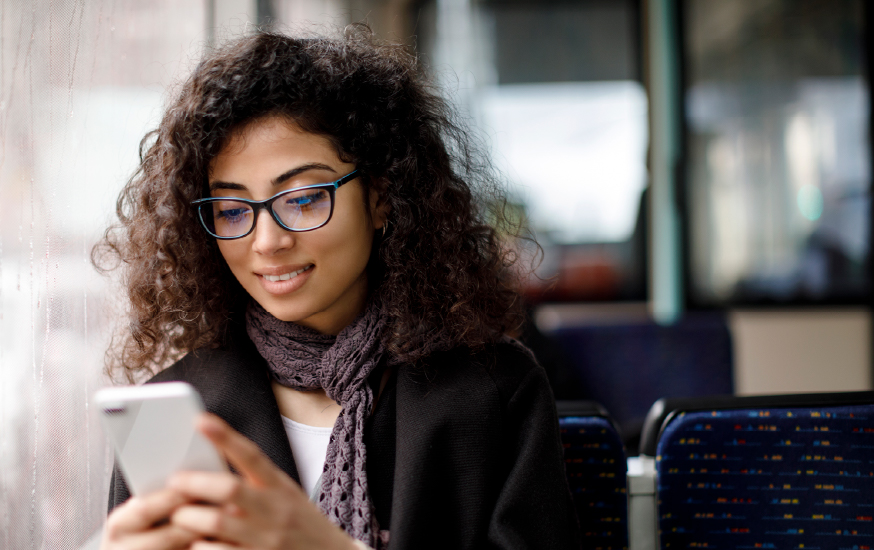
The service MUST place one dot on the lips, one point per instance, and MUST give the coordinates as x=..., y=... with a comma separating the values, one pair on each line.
x=286, y=276
x=279, y=281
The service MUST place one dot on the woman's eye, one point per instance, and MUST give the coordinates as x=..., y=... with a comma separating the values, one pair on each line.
x=304, y=200
x=232, y=214
x=300, y=201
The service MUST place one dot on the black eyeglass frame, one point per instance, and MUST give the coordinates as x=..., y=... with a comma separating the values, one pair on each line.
x=267, y=204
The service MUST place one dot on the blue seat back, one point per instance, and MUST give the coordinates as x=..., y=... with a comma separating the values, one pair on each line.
x=596, y=469
x=794, y=477
x=626, y=367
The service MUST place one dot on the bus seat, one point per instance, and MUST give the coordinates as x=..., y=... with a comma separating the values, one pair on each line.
x=596, y=468
x=783, y=471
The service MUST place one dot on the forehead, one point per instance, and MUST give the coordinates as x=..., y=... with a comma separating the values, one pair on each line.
x=273, y=138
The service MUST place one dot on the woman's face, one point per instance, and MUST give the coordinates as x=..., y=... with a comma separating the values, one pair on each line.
x=328, y=284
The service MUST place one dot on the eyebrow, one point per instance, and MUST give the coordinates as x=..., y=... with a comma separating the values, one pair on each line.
x=278, y=180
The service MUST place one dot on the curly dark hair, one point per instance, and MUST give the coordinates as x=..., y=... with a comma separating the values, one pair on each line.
x=443, y=273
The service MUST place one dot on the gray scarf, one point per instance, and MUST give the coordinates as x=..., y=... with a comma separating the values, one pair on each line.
x=303, y=359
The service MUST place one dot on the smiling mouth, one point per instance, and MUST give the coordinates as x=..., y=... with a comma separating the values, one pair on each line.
x=286, y=276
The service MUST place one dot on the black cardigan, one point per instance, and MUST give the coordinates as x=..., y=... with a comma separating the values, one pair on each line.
x=462, y=452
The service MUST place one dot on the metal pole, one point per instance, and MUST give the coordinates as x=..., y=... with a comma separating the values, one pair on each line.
x=666, y=299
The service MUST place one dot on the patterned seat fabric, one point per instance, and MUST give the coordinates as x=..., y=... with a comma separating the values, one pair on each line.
x=768, y=478
x=596, y=470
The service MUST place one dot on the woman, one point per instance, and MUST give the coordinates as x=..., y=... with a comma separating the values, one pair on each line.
x=302, y=229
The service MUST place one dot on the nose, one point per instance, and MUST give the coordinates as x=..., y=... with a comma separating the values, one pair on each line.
x=268, y=237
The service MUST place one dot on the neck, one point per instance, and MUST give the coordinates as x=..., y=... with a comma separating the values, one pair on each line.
x=312, y=407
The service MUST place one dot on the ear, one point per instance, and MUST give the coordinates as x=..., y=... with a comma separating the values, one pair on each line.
x=379, y=209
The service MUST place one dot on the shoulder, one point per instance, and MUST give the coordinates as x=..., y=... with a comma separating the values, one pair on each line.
x=206, y=363
x=482, y=382
x=504, y=365
x=226, y=378
x=235, y=360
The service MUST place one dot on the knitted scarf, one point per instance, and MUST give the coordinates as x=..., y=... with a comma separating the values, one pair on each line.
x=303, y=359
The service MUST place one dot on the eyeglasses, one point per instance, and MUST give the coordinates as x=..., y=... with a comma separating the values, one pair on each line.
x=299, y=209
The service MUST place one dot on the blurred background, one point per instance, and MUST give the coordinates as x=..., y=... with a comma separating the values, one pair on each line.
x=698, y=174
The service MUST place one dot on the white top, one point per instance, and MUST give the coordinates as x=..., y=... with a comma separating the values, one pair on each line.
x=309, y=445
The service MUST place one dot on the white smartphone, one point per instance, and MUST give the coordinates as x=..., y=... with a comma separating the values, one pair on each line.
x=152, y=430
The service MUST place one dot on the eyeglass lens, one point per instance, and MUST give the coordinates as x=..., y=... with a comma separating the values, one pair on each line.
x=304, y=209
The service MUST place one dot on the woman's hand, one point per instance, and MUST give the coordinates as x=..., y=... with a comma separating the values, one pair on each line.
x=263, y=509
x=134, y=525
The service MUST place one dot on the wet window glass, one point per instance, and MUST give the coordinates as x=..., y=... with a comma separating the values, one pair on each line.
x=80, y=84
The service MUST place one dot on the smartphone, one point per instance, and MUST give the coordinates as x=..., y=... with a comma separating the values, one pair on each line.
x=152, y=429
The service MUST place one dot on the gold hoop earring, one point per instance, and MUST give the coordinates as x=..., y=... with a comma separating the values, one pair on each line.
x=384, y=228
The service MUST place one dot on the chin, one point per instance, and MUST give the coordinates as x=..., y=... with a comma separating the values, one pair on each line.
x=290, y=315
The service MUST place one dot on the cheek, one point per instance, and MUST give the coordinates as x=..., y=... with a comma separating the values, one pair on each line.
x=350, y=237
x=232, y=253
x=341, y=250
x=345, y=251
